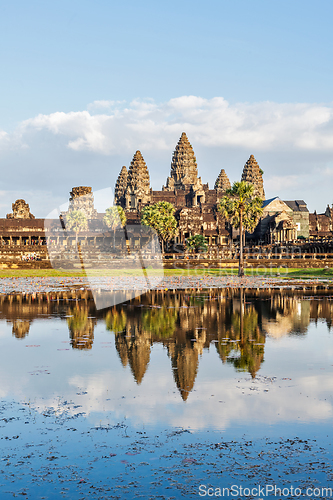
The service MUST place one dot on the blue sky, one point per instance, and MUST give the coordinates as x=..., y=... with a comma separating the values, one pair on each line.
x=85, y=84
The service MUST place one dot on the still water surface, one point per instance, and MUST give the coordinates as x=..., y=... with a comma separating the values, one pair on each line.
x=180, y=370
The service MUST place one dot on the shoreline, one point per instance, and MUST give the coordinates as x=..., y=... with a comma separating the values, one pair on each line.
x=140, y=285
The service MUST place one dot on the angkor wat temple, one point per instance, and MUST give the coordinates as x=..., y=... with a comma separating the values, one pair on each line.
x=197, y=206
x=196, y=209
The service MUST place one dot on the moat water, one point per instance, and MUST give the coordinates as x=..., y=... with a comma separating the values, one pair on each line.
x=166, y=394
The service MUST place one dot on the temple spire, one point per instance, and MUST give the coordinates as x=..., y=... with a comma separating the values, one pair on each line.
x=120, y=188
x=253, y=174
x=138, y=189
x=184, y=170
x=222, y=183
x=138, y=175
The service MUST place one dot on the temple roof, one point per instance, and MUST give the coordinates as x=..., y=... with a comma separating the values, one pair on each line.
x=297, y=205
x=267, y=202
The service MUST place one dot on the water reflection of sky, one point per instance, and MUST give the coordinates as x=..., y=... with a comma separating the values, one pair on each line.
x=214, y=362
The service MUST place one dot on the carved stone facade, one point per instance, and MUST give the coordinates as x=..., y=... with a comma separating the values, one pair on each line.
x=321, y=225
x=21, y=210
x=300, y=217
x=283, y=221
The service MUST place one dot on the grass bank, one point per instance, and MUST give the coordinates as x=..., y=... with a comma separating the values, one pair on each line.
x=268, y=272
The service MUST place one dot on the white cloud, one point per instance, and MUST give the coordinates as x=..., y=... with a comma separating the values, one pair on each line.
x=208, y=122
x=261, y=401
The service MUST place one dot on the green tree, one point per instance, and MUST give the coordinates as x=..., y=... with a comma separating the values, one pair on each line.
x=160, y=322
x=241, y=208
x=160, y=217
x=77, y=221
x=197, y=243
x=113, y=216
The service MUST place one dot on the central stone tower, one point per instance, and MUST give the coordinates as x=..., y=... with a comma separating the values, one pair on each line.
x=184, y=170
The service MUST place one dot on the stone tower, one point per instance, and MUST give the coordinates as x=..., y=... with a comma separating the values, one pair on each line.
x=253, y=174
x=82, y=199
x=120, y=189
x=222, y=183
x=138, y=191
x=184, y=170
x=21, y=210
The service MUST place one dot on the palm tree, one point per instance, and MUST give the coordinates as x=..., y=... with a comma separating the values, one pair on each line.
x=160, y=217
x=242, y=209
x=77, y=221
x=113, y=216
x=197, y=242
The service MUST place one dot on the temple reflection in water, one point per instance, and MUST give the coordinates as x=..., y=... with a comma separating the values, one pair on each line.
x=235, y=322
